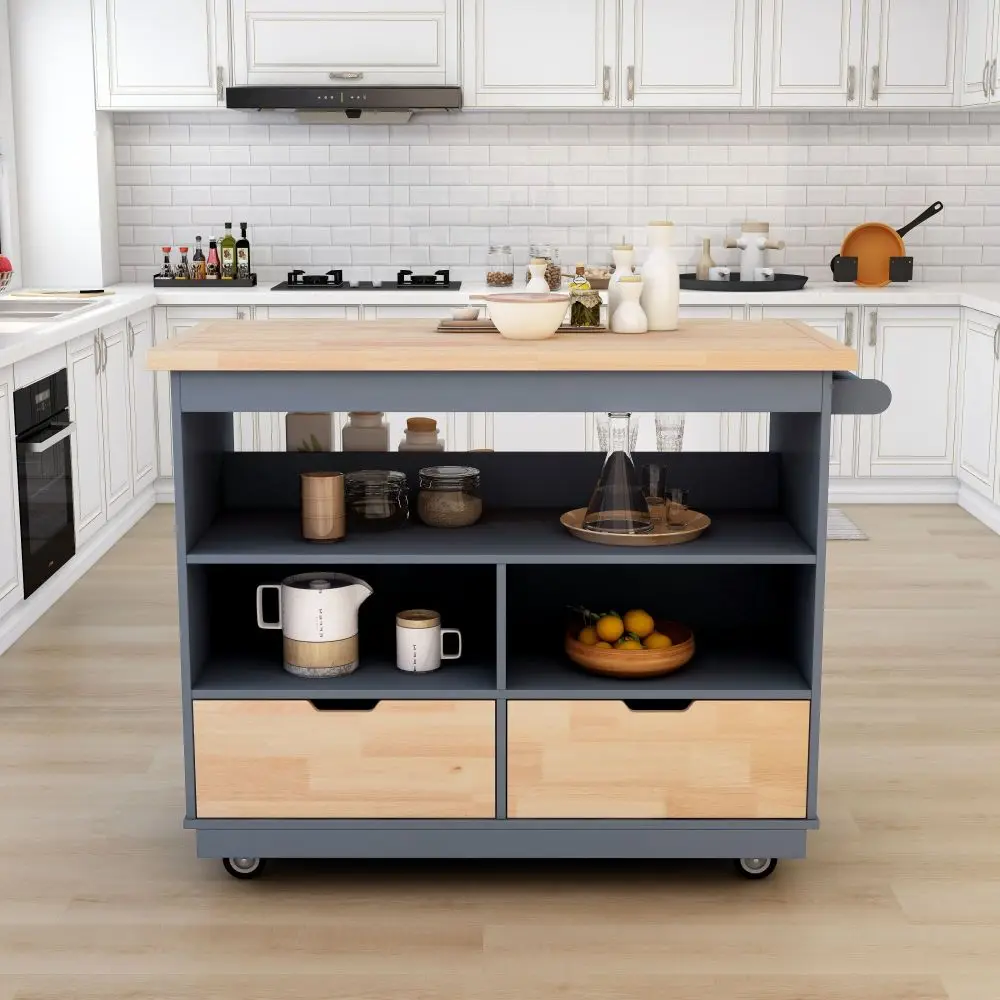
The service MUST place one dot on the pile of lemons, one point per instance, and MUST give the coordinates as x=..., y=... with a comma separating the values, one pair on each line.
x=636, y=629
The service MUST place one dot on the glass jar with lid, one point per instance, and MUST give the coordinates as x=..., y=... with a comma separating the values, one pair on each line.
x=553, y=270
x=449, y=496
x=376, y=500
x=499, y=267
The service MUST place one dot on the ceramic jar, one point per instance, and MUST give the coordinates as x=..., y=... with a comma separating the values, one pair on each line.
x=623, y=256
x=661, y=286
x=421, y=435
x=536, y=270
x=365, y=430
x=629, y=317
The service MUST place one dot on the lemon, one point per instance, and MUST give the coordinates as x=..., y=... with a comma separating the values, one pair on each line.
x=588, y=636
x=628, y=642
x=603, y=645
x=657, y=640
x=610, y=628
x=639, y=622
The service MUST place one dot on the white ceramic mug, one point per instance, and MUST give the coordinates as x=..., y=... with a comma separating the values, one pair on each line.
x=420, y=641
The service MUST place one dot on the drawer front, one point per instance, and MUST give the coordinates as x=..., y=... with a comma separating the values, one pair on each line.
x=602, y=760
x=291, y=760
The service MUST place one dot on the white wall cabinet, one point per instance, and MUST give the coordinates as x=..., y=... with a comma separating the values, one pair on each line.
x=915, y=352
x=910, y=53
x=980, y=392
x=811, y=53
x=976, y=77
x=525, y=54
x=161, y=55
x=83, y=362
x=322, y=42
x=10, y=532
x=142, y=400
x=675, y=53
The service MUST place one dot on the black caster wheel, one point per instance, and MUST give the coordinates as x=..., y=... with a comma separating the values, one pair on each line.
x=244, y=867
x=754, y=868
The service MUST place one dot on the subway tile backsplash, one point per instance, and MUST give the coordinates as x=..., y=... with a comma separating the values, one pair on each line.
x=436, y=192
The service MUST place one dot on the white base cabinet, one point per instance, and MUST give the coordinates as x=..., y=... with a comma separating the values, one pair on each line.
x=116, y=422
x=980, y=410
x=142, y=400
x=10, y=532
x=83, y=362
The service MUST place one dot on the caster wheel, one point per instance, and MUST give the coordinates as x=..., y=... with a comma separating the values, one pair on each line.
x=244, y=867
x=754, y=868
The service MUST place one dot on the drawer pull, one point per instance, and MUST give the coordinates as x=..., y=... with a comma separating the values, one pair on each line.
x=344, y=704
x=657, y=704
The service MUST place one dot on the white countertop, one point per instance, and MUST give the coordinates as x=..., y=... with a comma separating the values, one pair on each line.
x=128, y=299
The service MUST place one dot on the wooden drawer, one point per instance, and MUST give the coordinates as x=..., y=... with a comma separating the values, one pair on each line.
x=601, y=759
x=291, y=760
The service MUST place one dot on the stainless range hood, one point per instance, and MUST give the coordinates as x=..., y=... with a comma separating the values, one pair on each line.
x=347, y=103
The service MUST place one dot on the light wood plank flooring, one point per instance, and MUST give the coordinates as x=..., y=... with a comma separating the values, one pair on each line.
x=101, y=895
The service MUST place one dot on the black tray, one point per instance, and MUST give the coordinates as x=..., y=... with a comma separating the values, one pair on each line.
x=215, y=283
x=781, y=283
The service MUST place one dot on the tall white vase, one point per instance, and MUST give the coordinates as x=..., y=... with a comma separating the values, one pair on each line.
x=623, y=255
x=537, y=283
x=661, y=285
x=629, y=317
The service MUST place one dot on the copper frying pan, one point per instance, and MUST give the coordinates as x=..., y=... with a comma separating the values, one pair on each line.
x=873, y=243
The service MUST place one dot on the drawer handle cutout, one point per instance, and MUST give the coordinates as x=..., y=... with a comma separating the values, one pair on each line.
x=657, y=704
x=344, y=704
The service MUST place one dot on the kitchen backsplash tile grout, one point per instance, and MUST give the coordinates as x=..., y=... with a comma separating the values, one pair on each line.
x=438, y=191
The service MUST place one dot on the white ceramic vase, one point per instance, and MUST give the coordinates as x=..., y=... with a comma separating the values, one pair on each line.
x=661, y=285
x=623, y=255
x=629, y=317
x=537, y=283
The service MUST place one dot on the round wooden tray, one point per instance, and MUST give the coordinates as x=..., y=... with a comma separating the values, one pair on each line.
x=635, y=662
x=694, y=524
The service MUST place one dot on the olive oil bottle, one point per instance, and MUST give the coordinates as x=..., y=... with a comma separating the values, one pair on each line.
x=227, y=251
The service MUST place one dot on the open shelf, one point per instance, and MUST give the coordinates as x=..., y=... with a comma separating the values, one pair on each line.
x=724, y=673
x=518, y=535
x=244, y=676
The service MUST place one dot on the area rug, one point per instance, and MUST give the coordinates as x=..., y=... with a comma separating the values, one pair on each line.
x=840, y=528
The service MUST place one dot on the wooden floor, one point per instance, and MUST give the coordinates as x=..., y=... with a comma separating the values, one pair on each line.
x=101, y=895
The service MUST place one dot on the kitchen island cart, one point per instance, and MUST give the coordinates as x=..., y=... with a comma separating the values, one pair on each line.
x=510, y=751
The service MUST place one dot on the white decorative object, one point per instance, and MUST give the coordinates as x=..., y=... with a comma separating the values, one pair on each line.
x=365, y=430
x=420, y=641
x=661, y=286
x=764, y=274
x=719, y=274
x=752, y=243
x=537, y=282
x=308, y=432
x=623, y=255
x=629, y=317
x=421, y=434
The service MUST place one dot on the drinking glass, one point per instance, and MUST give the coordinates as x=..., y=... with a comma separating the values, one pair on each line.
x=652, y=489
x=669, y=431
x=676, y=501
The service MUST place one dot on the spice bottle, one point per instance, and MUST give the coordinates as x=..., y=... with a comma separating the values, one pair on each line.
x=167, y=270
x=212, y=264
x=198, y=261
x=183, y=268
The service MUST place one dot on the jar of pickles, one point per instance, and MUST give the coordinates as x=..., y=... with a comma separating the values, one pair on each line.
x=553, y=270
x=499, y=267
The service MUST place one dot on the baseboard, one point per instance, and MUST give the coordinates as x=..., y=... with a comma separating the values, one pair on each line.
x=163, y=491
x=884, y=490
x=27, y=612
x=979, y=507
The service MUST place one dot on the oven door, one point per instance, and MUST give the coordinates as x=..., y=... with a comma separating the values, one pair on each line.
x=45, y=491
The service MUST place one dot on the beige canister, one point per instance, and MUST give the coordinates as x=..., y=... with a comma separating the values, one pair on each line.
x=324, y=517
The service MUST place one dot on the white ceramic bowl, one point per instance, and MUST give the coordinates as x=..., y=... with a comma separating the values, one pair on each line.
x=466, y=312
x=527, y=315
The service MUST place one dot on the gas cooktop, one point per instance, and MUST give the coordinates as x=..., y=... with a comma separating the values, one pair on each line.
x=334, y=281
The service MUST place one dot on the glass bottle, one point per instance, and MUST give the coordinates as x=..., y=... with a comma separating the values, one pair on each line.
x=198, y=261
x=167, y=271
x=212, y=264
x=617, y=504
x=183, y=268
x=227, y=251
x=499, y=267
x=553, y=270
x=243, y=254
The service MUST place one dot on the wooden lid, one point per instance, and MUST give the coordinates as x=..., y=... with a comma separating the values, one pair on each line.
x=422, y=425
x=755, y=227
x=418, y=618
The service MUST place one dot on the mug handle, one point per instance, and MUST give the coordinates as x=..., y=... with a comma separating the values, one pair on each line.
x=451, y=656
x=260, y=605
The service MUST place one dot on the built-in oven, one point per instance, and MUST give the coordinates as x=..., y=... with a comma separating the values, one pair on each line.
x=44, y=478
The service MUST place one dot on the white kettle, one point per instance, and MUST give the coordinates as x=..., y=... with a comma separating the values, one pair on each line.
x=318, y=618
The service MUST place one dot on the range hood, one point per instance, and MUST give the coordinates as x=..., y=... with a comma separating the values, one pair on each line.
x=348, y=103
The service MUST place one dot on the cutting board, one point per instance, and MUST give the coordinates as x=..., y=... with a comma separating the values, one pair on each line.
x=40, y=293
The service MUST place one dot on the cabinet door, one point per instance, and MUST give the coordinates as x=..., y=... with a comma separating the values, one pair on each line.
x=525, y=54
x=10, y=532
x=169, y=323
x=116, y=424
x=975, y=52
x=980, y=374
x=681, y=54
x=910, y=54
x=161, y=55
x=810, y=53
x=142, y=405
x=87, y=451
x=842, y=324
x=915, y=352
x=316, y=42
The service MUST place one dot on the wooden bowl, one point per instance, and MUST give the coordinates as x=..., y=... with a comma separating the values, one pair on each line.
x=694, y=524
x=635, y=662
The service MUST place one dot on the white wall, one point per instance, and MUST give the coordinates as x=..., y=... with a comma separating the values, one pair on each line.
x=436, y=192
x=9, y=227
x=59, y=148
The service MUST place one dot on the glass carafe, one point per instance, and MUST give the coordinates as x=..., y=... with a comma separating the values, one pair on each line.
x=617, y=504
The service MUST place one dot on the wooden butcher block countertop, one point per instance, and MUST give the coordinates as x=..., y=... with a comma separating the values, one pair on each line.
x=315, y=345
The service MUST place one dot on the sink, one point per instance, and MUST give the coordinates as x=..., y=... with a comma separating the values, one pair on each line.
x=40, y=310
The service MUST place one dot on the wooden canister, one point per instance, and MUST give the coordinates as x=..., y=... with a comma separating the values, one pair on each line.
x=323, y=514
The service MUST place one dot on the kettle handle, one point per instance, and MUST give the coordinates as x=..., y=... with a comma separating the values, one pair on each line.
x=260, y=605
